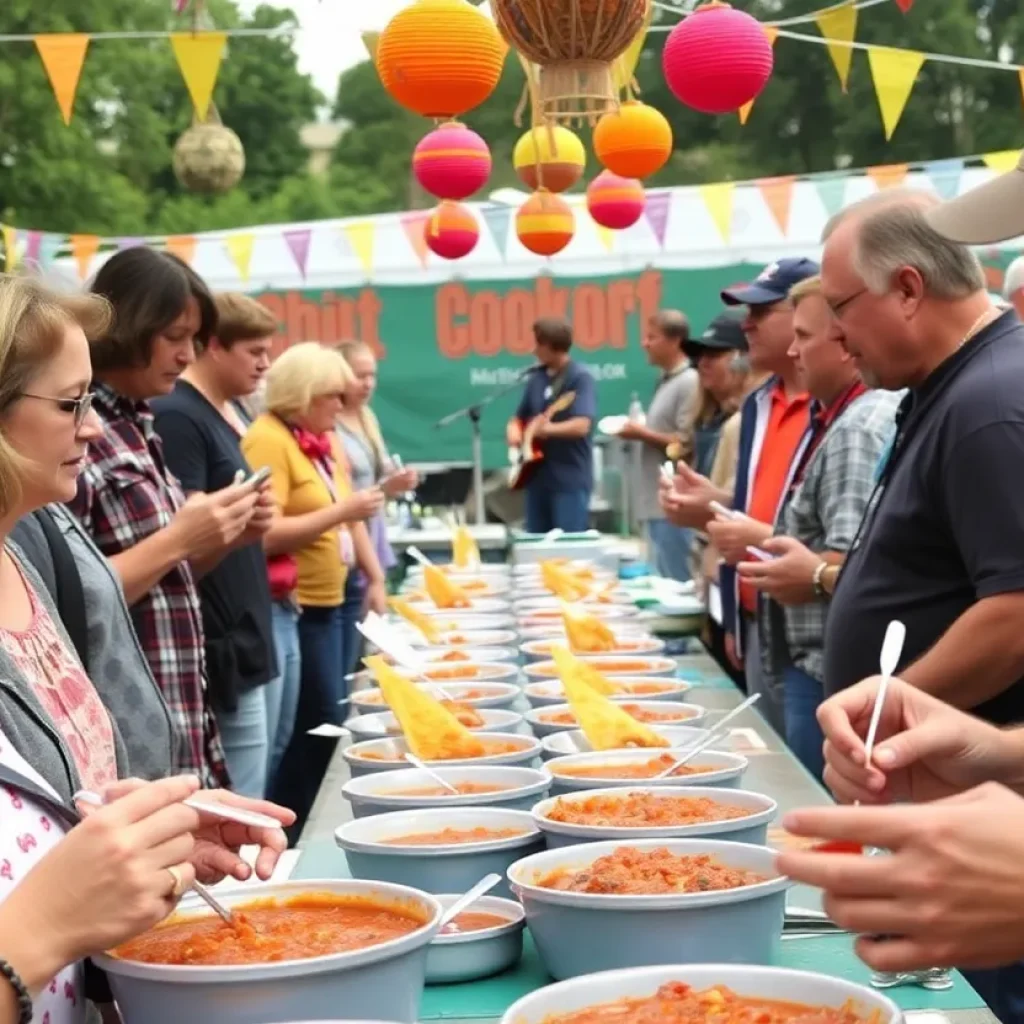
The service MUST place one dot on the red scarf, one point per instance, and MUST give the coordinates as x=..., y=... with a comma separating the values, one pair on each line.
x=316, y=447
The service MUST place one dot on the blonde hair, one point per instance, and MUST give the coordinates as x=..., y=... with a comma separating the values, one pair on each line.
x=241, y=318
x=367, y=417
x=302, y=373
x=804, y=290
x=33, y=319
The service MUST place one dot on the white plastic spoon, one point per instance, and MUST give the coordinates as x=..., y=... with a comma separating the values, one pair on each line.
x=422, y=765
x=484, y=886
x=417, y=556
x=715, y=734
x=892, y=651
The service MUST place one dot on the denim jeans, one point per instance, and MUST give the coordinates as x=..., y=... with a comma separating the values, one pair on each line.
x=1003, y=989
x=802, y=694
x=351, y=615
x=281, y=695
x=244, y=734
x=671, y=546
x=548, y=510
x=305, y=762
x=770, y=704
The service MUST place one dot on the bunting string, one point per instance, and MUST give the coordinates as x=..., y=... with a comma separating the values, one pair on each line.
x=280, y=30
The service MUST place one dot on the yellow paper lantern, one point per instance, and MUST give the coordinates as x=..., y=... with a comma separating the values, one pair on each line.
x=440, y=58
x=634, y=141
x=550, y=157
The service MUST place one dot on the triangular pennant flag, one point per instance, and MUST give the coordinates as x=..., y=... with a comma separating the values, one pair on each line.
x=718, y=199
x=772, y=33
x=944, y=176
x=63, y=55
x=624, y=68
x=361, y=238
x=777, y=194
x=370, y=41
x=49, y=246
x=33, y=245
x=831, y=191
x=298, y=245
x=129, y=243
x=839, y=24
x=199, y=56
x=904, y=5
x=607, y=236
x=182, y=246
x=658, y=209
x=415, y=227
x=888, y=175
x=10, y=248
x=894, y=73
x=1021, y=76
x=240, y=248
x=83, y=249
x=1003, y=161
x=498, y=218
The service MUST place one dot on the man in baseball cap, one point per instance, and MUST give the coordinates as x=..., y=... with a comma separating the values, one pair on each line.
x=772, y=284
x=723, y=334
x=990, y=213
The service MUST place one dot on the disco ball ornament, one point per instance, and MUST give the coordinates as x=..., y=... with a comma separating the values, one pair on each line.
x=545, y=223
x=615, y=202
x=440, y=58
x=209, y=157
x=452, y=162
x=549, y=157
x=717, y=59
x=451, y=231
x=634, y=141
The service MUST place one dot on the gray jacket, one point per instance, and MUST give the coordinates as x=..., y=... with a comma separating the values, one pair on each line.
x=116, y=665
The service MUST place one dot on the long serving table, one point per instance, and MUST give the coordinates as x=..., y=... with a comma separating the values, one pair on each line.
x=773, y=770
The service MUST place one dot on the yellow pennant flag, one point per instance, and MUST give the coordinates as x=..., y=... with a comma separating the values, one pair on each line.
x=772, y=33
x=10, y=248
x=240, y=248
x=624, y=68
x=894, y=73
x=182, y=246
x=718, y=199
x=83, y=249
x=63, y=55
x=840, y=24
x=361, y=237
x=607, y=236
x=199, y=56
x=370, y=41
x=1002, y=162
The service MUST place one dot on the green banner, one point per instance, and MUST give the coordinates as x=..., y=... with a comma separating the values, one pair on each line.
x=443, y=347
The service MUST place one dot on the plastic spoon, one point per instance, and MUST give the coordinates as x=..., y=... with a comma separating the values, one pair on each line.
x=716, y=734
x=417, y=556
x=214, y=808
x=422, y=765
x=485, y=885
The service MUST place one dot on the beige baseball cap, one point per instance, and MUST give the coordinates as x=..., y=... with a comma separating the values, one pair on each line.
x=993, y=212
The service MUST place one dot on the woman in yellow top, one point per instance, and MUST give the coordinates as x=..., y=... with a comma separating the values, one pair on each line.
x=319, y=533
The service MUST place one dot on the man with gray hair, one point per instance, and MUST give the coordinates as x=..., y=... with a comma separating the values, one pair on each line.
x=1013, y=285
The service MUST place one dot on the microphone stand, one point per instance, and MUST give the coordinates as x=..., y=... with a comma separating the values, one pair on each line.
x=473, y=413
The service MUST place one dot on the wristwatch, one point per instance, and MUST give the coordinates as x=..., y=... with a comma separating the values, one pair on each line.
x=817, y=580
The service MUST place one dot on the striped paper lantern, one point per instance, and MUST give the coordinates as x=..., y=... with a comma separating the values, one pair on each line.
x=451, y=231
x=545, y=223
x=634, y=141
x=615, y=202
x=452, y=162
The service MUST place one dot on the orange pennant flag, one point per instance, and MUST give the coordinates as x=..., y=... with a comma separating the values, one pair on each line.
x=83, y=249
x=894, y=73
x=63, y=55
x=199, y=56
x=1021, y=74
x=415, y=226
x=888, y=175
x=182, y=246
x=839, y=24
x=772, y=33
x=777, y=194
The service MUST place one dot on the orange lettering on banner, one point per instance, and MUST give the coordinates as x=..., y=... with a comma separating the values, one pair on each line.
x=332, y=319
x=451, y=310
x=485, y=324
x=621, y=304
x=589, y=324
x=520, y=313
x=648, y=289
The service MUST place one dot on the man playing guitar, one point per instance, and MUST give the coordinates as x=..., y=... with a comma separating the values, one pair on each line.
x=559, y=487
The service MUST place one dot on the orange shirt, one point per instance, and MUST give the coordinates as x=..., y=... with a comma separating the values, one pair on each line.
x=787, y=424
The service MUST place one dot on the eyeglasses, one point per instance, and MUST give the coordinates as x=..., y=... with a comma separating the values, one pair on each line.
x=838, y=307
x=77, y=407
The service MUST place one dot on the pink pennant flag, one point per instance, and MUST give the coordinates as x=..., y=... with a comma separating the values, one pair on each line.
x=659, y=206
x=298, y=243
x=33, y=244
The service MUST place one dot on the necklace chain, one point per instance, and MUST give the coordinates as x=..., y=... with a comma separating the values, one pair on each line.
x=977, y=325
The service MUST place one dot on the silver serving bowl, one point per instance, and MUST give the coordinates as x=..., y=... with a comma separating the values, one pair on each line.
x=386, y=979
x=473, y=955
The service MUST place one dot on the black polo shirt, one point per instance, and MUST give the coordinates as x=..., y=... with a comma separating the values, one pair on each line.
x=947, y=526
x=204, y=452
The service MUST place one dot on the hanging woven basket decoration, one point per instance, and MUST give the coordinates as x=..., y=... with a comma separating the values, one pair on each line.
x=452, y=162
x=634, y=141
x=615, y=202
x=545, y=223
x=575, y=44
x=440, y=58
x=209, y=157
x=451, y=231
x=551, y=157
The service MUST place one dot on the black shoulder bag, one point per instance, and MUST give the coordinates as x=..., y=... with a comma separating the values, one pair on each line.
x=69, y=595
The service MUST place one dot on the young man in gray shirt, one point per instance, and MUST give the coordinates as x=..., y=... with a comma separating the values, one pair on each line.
x=665, y=340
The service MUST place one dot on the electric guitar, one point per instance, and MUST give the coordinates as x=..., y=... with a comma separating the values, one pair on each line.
x=526, y=459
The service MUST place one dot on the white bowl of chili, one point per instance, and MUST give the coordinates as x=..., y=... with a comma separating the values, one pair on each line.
x=607, y=769
x=658, y=714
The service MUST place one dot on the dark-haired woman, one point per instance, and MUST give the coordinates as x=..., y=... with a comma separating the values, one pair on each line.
x=134, y=509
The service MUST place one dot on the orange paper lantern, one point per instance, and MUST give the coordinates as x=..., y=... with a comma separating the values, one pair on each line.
x=545, y=223
x=634, y=141
x=451, y=231
x=440, y=58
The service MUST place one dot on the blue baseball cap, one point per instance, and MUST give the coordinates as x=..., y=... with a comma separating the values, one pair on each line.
x=772, y=284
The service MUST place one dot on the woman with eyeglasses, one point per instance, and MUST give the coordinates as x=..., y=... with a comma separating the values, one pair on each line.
x=67, y=889
x=321, y=531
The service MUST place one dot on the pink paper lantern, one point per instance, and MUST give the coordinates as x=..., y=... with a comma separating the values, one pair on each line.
x=452, y=162
x=615, y=202
x=717, y=59
x=451, y=231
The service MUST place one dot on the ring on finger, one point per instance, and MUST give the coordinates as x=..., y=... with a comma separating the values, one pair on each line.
x=179, y=882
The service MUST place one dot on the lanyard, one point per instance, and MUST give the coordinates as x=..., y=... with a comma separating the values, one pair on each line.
x=819, y=428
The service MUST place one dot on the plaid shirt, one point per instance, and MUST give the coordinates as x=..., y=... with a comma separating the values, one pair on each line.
x=823, y=511
x=126, y=494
